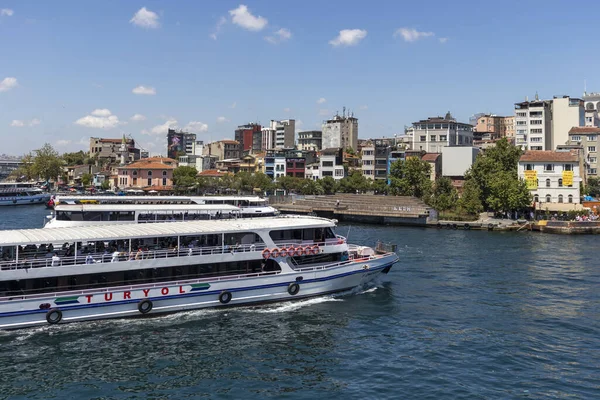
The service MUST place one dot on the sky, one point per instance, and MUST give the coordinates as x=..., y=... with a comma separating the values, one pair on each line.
x=74, y=69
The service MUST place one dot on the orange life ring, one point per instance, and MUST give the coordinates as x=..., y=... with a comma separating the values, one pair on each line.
x=266, y=254
x=283, y=252
x=295, y=251
x=301, y=251
x=340, y=241
x=315, y=249
x=275, y=253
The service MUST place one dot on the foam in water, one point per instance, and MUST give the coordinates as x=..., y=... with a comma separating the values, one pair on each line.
x=291, y=305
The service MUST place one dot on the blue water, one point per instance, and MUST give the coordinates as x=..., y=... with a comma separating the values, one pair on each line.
x=464, y=315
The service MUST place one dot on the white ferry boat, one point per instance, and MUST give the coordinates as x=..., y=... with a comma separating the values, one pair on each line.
x=15, y=196
x=250, y=205
x=51, y=276
x=66, y=215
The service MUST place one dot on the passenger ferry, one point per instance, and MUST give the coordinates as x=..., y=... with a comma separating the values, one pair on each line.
x=51, y=276
x=250, y=205
x=15, y=196
x=65, y=215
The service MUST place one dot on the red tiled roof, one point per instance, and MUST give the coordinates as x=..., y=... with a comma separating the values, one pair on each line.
x=584, y=129
x=212, y=173
x=147, y=165
x=548, y=155
x=430, y=156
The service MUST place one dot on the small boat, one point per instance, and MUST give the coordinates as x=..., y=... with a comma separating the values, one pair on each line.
x=22, y=196
x=52, y=276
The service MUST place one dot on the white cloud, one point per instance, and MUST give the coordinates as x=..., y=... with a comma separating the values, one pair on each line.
x=8, y=83
x=222, y=21
x=323, y=112
x=222, y=119
x=348, y=37
x=146, y=90
x=138, y=117
x=196, y=127
x=363, y=107
x=162, y=129
x=321, y=100
x=299, y=124
x=100, y=118
x=233, y=105
x=280, y=36
x=243, y=17
x=145, y=18
x=287, y=109
x=411, y=34
x=6, y=12
x=443, y=40
x=63, y=142
x=17, y=123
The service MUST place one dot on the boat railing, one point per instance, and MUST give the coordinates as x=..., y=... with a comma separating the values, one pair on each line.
x=350, y=260
x=298, y=243
x=129, y=256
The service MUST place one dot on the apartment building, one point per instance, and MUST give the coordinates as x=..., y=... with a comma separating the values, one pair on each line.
x=567, y=112
x=249, y=136
x=434, y=133
x=111, y=149
x=340, y=132
x=533, y=124
x=310, y=140
x=592, y=106
x=223, y=149
x=588, y=139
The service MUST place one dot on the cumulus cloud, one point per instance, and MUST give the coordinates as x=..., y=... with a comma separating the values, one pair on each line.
x=144, y=90
x=363, y=107
x=287, y=109
x=138, y=117
x=243, y=17
x=17, y=123
x=6, y=12
x=63, y=142
x=162, y=129
x=321, y=100
x=222, y=21
x=348, y=37
x=100, y=118
x=145, y=18
x=280, y=36
x=196, y=127
x=443, y=40
x=221, y=119
x=411, y=34
x=8, y=83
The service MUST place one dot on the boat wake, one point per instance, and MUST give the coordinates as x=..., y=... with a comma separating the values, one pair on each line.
x=290, y=305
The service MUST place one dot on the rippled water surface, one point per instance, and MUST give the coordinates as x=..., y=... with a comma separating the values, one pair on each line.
x=463, y=315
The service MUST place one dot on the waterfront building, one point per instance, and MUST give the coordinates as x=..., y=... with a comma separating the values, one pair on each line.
x=588, y=139
x=331, y=164
x=456, y=161
x=74, y=173
x=109, y=150
x=154, y=173
x=249, y=136
x=367, y=154
x=340, y=132
x=374, y=159
x=295, y=167
x=250, y=163
x=312, y=171
x=533, y=124
x=310, y=140
x=231, y=165
x=434, y=133
x=507, y=126
x=567, y=112
x=435, y=163
x=223, y=149
x=553, y=177
x=180, y=143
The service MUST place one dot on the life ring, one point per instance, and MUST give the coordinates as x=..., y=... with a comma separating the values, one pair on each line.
x=283, y=252
x=145, y=306
x=275, y=253
x=54, y=316
x=466, y=227
x=266, y=254
x=293, y=288
x=315, y=249
x=301, y=251
x=340, y=241
x=490, y=227
x=225, y=297
x=296, y=251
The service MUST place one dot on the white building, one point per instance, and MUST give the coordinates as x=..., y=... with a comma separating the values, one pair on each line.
x=533, y=124
x=279, y=167
x=457, y=160
x=367, y=155
x=279, y=135
x=340, y=132
x=310, y=140
x=312, y=171
x=331, y=164
x=434, y=133
x=589, y=140
x=553, y=177
x=592, y=106
x=567, y=112
x=268, y=138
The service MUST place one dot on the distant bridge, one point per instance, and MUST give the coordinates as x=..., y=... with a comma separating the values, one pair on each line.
x=7, y=167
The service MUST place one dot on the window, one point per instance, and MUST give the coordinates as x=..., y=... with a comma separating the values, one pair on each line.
x=429, y=126
x=548, y=182
x=535, y=122
x=438, y=126
x=576, y=138
x=164, y=182
x=134, y=181
x=549, y=167
x=149, y=173
x=444, y=126
x=535, y=130
x=443, y=138
x=570, y=198
x=149, y=181
x=521, y=122
x=134, y=173
x=433, y=138
x=328, y=163
x=536, y=139
x=591, y=138
x=536, y=198
x=423, y=138
x=588, y=119
x=528, y=167
x=521, y=131
x=548, y=198
x=164, y=173
x=592, y=171
x=592, y=160
x=521, y=114
x=568, y=167
x=560, y=185
x=560, y=198
x=536, y=147
x=591, y=148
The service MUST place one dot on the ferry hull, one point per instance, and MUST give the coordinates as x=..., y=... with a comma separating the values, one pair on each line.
x=171, y=297
x=24, y=200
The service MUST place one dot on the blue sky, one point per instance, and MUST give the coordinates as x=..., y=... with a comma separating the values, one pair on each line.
x=74, y=69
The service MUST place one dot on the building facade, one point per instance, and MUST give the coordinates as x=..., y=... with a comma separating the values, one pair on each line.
x=533, y=125
x=367, y=155
x=553, y=177
x=249, y=136
x=331, y=163
x=180, y=143
x=588, y=139
x=310, y=140
x=223, y=149
x=434, y=133
x=592, y=107
x=340, y=132
x=567, y=112
x=154, y=173
x=456, y=161
x=110, y=149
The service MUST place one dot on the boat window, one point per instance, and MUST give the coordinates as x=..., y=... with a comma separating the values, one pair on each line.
x=287, y=234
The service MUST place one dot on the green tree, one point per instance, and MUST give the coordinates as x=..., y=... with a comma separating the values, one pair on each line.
x=262, y=182
x=47, y=163
x=593, y=187
x=379, y=186
x=76, y=158
x=184, y=178
x=288, y=183
x=353, y=183
x=444, y=195
x=411, y=178
x=27, y=169
x=105, y=184
x=329, y=185
x=310, y=187
x=470, y=201
x=507, y=193
x=86, y=179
